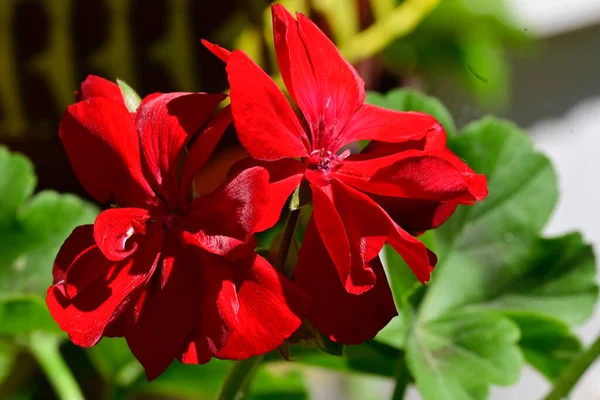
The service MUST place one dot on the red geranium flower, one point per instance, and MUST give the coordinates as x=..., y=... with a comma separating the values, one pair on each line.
x=176, y=276
x=406, y=180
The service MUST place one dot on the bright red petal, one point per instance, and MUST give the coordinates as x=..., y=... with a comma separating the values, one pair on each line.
x=103, y=146
x=284, y=177
x=165, y=123
x=266, y=124
x=271, y=308
x=325, y=86
x=343, y=317
x=417, y=256
x=233, y=210
x=95, y=86
x=169, y=313
x=202, y=149
x=376, y=123
x=114, y=228
x=217, y=50
x=85, y=316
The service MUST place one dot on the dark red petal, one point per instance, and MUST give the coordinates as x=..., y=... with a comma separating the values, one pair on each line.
x=217, y=50
x=266, y=124
x=202, y=149
x=95, y=86
x=234, y=209
x=427, y=177
x=113, y=229
x=169, y=312
x=85, y=316
x=165, y=123
x=103, y=146
x=218, y=311
x=416, y=215
x=376, y=123
x=343, y=317
x=325, y=86
x=284, y=177
x=271, y=308
x=81, y=238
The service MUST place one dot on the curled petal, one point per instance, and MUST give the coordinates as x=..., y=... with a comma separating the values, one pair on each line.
x=103, y=147
x=95, y=86
x=104, y=298
x=341, y=316
x=114, y=228
x=266, y=124
x=234, y=209
x=165, y=123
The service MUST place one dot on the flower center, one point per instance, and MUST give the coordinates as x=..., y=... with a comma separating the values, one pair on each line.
x=170, y=221
x=326, y=161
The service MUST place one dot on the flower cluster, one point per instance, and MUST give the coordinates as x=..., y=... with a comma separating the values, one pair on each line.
x=171, y=266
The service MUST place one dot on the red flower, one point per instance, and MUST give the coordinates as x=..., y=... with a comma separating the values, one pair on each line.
x=176, y=276
x=406, y=179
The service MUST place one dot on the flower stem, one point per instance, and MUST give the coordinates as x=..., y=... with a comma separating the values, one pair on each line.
x=45, y=349
x=286, y=242
x=574, y=371
x=237, y=382
x=402, y=375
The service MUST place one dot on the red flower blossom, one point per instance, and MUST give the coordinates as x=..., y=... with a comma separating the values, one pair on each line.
x=406, y=180
x=176, y=276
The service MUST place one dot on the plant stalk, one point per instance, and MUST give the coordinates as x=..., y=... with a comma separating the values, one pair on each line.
x=286, y=241
x=402, y=376
x=574, y=371
x=238, y=379
x=45, y=349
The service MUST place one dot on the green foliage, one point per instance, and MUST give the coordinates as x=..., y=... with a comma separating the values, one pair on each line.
x=501, y=294
x=465, y=40
x=132, y=99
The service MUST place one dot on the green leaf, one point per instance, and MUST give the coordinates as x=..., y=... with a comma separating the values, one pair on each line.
x=547, y=344
x=281, y=381
x=25, y=314
x=457, y=356
x=8, y=356
x=115, y=362
x=131, y=98
x=31, y=233
x=557, y=280
x=482, y=247
x=412, y=100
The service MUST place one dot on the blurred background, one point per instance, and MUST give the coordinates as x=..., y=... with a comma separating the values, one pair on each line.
x=535, y=62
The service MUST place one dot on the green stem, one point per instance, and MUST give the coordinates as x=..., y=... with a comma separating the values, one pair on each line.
x=237, y=382
x=45, y=349
x=402, y=375
x=574, y=371
x=286, y=242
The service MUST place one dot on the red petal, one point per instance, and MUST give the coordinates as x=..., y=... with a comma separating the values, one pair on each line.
x=170, y=310
x=229, y=215
x=271, y=308
x=284, y=177
x=266, y=124
x=416, y=255
x=81, y=238
x=416, y=215
x=217, y=50
x=343, y=317
x=103, y=146
x=202, y=149
x=219, y=309
x=165, y=123
x=113, y=229
x=325, y=86
x=376, y=123
x=101, y=301
x=426, y=177
x=95, y=86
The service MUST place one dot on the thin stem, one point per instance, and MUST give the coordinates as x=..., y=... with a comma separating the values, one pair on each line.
x=286, y=241
x=402, y=375
x=237, y=382
x=569, y=377
x=45, y=349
